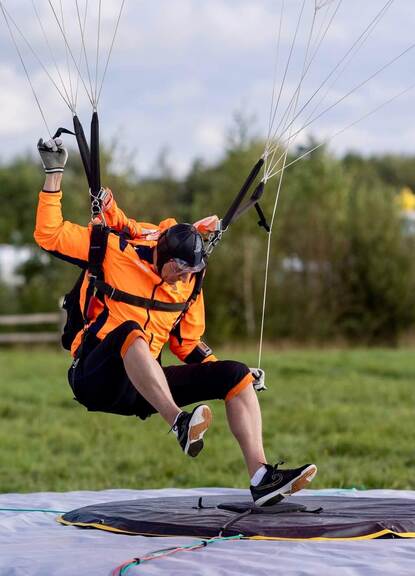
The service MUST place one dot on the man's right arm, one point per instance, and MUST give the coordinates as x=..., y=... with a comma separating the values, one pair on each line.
x=117, y=220
x=61, y=238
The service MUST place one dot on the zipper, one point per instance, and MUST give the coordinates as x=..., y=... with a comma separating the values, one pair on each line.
x=151, y=298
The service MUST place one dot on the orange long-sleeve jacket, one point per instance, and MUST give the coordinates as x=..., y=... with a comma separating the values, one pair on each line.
x=125, y=270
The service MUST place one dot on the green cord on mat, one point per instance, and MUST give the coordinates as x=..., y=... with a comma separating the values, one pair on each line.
x=195, y=545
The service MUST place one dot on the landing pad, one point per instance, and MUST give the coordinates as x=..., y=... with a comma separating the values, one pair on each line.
x=294, y=518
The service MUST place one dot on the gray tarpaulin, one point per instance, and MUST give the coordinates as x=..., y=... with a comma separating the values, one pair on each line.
x=34, y=544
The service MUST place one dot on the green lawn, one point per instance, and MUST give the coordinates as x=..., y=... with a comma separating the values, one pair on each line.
x=350, y=412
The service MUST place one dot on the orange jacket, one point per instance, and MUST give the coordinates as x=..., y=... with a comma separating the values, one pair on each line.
x=125, y=270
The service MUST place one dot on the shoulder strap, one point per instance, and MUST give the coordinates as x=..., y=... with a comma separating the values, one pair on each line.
x=97, y=248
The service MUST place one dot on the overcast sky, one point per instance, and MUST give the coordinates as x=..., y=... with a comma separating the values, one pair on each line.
x=181, y=69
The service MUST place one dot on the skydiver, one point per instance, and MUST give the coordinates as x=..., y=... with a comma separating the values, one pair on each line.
x=115, y=367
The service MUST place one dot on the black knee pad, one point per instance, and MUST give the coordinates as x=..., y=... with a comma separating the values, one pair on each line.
x=229, y=373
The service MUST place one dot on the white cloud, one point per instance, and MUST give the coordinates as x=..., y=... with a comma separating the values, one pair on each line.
x=210, y=135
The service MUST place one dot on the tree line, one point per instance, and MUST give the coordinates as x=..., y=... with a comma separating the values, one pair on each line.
x=341, y=262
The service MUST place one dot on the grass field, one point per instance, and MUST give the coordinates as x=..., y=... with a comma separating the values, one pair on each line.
x=350, y=412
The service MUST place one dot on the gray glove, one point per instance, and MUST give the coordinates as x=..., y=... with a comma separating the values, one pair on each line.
x=259, y=382
x=53, y=155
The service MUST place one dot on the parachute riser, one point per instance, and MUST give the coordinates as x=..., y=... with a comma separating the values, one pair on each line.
x=231, y=213
x=96, y=192
x=94, y=156
x=237, y=208
x=83, y=147
x=90, y=160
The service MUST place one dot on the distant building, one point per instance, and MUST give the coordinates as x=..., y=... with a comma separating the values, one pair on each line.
x=11, y=257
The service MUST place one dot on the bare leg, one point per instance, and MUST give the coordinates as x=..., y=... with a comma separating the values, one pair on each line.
x=148, y=378
x=244, y=417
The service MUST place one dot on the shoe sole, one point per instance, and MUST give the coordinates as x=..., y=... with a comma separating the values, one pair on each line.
x=199, y=423
x=294, y=485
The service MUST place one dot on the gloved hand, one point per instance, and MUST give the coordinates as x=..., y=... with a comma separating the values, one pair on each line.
x=259, y=382
x=107, y=199
x=53, y=155
x=207, y=225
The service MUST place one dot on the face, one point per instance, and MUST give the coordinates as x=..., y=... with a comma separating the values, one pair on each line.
x=171, y=273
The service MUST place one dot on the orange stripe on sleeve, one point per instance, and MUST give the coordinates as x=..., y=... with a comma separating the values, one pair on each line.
x=210, y=358
x=244, y=383
x=132, y=337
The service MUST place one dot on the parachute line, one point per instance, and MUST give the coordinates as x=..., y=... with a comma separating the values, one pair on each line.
x=24, y=67
x=362, y=38
x=268, y=255
x=97, y=51
x=9, y=19
x=70, y=51
x=66, y=52
x=293, y=107
x=272, y=114
x=345, y=96
x=82, y=33
x=351, y=125
x=291, y=113
x=83, y=27
x=110, y=49
x=293, y=103
x=356, y=49
x=305, y=72
x=42, y=28
x=287, y=66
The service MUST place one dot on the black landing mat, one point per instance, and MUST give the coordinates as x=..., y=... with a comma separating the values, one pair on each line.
x=345, y=517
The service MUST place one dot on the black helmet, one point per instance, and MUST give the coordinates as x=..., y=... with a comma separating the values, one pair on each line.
x=183, y=243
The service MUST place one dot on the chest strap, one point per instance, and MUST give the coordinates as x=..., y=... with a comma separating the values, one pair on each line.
x=147, y=303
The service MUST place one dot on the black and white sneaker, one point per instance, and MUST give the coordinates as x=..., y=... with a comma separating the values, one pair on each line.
x=190, y=428
x=278, y=483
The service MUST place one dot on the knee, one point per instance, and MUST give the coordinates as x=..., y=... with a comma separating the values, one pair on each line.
x=235, y=377
x=232, y=370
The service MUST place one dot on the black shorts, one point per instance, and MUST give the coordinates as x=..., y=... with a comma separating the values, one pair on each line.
x=99, y=380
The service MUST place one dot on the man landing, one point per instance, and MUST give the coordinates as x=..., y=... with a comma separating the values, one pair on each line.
x=146, y=295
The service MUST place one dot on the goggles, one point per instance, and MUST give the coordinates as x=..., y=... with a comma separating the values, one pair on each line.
x=181, y=266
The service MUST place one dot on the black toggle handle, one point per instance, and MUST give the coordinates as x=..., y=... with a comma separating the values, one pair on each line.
x=262, y=220
x=61, y=131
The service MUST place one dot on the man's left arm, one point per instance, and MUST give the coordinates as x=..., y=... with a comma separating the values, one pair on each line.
x=186, y=343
